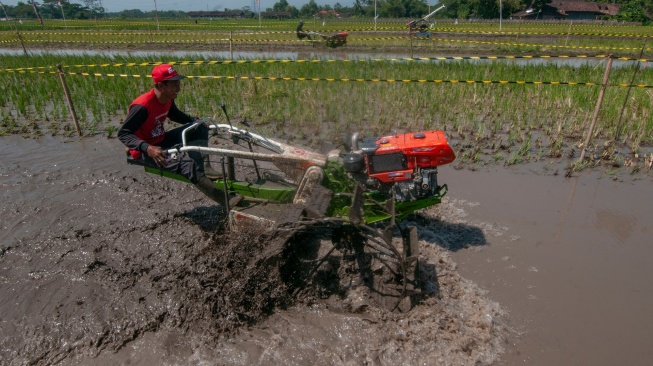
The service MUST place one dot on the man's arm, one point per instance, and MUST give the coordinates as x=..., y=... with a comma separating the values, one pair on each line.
x=176, y=115
x=127, y=133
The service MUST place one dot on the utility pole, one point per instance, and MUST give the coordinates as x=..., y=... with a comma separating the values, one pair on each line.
x=260, y=29
x=500, y=14
x=36, y=12
x=156, y=11
x=62, y=14
x=4, y=10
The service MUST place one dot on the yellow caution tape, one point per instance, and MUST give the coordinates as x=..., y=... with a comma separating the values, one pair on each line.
x=269, y=61
x=437, y=81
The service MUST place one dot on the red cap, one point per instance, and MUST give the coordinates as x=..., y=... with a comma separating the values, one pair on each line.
x=165, y=72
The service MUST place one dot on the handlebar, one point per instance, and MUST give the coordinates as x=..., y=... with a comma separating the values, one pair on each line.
x=236, y=134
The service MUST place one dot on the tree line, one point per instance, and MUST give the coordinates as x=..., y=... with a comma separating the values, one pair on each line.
x=631, y=10
x=53, y=9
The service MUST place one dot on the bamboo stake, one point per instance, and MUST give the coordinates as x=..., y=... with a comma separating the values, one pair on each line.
x=588, y=139
x=69, y=100
x=568, y=32
x=518, y=30
x=22, y=43
x=231, y=45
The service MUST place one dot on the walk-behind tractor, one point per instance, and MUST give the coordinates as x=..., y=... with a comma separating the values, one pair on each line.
x=419, y=28
x=355, y=198
x=333, y=40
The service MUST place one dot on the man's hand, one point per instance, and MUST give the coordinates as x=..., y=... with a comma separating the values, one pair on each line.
x=159, y=156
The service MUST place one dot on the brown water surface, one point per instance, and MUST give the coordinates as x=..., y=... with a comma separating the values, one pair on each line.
x=572, y=263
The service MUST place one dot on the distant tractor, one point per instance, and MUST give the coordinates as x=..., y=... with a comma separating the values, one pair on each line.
x=419, y=28
x=333, y=41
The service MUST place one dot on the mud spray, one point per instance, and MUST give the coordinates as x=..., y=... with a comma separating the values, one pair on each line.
x=105, y=264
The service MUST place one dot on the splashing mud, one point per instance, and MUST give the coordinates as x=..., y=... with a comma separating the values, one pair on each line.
x=102, y=263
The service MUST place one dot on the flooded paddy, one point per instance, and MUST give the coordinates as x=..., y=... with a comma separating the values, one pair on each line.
x=573, y=266
x=322, y=54
x=102, y=263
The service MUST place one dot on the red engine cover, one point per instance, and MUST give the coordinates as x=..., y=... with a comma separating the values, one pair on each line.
x=422, y=149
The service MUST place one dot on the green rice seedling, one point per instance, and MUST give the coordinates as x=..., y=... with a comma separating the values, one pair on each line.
x=541, y=151
x=513, y=159
x=525, y=148
x=397, y=104
x=611, y=172
x=476, y=155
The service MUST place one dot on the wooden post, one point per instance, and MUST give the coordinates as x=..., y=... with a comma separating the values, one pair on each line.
x=231, y=45
x=568, y=31
x=22, y=43
x=69, y=100
x=588, y=138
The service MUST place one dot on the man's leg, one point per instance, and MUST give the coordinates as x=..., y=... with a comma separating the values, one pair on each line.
x=199, y=136
x=187, y=167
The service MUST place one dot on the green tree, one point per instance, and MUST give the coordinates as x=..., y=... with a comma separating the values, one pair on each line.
x=132, y=13
x=402, y=8
x=635, y=11
x=416, y=8
x=484, y=9
x=280, y=5
x=95, y=6
x=22, y=11
x=392, y=9
x=307, y=10
x=538, y=5
x=358, y=9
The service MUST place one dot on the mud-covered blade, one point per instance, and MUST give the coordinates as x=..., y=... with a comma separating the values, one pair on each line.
x=356, y=209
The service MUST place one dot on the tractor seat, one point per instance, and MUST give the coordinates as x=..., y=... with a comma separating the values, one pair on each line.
x=131, y=160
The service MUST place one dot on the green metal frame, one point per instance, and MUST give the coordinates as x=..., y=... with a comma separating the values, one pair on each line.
x=338, y=181
x=263, y=190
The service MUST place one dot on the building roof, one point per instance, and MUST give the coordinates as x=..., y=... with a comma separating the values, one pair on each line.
x=217, y=14
x=323, y=13
x=564, y=7
x=280, y=14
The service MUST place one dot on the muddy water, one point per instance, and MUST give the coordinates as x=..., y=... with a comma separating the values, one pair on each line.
x=102, y=263
x=572, y=263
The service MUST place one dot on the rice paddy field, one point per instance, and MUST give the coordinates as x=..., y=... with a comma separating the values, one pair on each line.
x=103, y=264
x=505, y=93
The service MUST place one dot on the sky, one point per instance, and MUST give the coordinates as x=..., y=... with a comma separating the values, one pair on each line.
x=191, y=5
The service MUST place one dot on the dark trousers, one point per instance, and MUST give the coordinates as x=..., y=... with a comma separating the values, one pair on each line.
x=190, y=164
